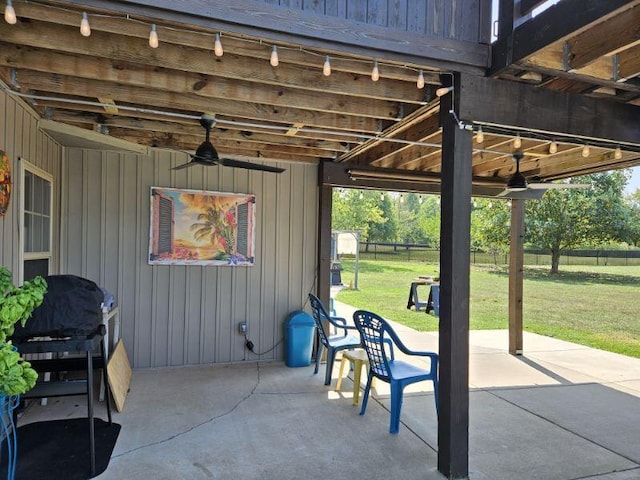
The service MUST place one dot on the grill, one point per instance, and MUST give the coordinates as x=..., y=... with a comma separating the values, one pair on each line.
x=69, y=320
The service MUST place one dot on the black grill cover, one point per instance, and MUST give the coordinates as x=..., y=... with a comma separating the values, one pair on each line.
x=71, y=307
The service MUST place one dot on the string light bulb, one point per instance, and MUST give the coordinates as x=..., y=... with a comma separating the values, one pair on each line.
x=274, y=60
x=480, y=135
x=442, y=91
x=10, y=13
x=375, y=72
x=153, y=37
x=85, y=28
x=517, y=142
x=420, y=199
x=401, y=198
x=326, y=67
x=217, y=46
x=382, y=197
x=420, y=81
x=586, y=151
x=361, y=196
x=553, y=147
x=617, y=154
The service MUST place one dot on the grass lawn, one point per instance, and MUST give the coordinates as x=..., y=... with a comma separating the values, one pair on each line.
x=589, y=305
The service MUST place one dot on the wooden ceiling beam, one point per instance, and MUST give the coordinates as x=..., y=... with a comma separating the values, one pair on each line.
x=256, y=19
x=629, y=64
x=416, y=133
x=606, y=38
x=558, y=22
x=496, y=102
x=93, y=89
x=221, y=143
x=137, y=51
x=84, y=66
x=203, y=39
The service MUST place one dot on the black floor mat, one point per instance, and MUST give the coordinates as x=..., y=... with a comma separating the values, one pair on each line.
x=60, y=449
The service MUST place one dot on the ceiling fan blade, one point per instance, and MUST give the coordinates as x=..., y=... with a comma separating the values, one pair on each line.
x=184, y=165
x=229, y=162
x=549, y=186
x=528, y=194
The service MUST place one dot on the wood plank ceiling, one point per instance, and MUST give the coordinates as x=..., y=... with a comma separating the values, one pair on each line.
x=114, y=83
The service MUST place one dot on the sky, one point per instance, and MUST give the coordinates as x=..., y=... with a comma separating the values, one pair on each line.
x=634, y=183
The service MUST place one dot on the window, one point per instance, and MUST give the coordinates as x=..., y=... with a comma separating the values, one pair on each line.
x=35, y=209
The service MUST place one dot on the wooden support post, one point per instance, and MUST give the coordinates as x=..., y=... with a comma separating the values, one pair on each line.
x=324, y=240
x=516, y=274
x=453, y=422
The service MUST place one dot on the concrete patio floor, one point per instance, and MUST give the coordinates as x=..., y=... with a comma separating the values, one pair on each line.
x=559, y=412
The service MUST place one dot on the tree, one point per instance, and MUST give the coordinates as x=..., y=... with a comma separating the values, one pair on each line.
x=490, y=225
x=569, y=218
x=356, y=210
x=429, y=220
x=384, y=229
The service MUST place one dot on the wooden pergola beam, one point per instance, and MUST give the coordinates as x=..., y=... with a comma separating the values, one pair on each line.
x=495, y=102
x=301, y=27
x=555, y=23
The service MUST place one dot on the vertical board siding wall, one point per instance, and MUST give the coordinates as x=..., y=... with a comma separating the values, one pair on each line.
x=176, y=315
x=21, y=138
x=454, y=19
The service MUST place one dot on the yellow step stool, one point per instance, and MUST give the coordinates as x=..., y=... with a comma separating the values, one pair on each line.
x=359, y=358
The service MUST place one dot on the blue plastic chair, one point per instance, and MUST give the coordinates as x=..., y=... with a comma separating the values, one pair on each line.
x=333, y=343
x=379, y=340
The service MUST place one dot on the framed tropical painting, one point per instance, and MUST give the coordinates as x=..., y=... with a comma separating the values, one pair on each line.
x=198, y=227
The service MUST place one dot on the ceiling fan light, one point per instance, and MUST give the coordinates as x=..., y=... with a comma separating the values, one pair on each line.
x=517, y=182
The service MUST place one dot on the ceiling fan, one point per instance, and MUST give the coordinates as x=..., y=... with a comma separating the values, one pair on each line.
x=207, y=155
x=519, y=188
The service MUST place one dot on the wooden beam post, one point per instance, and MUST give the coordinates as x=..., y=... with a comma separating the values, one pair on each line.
x=453, y=421
x=516, y=274
x=324, y=239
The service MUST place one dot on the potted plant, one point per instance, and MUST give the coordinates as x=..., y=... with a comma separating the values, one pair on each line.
x=16, y=305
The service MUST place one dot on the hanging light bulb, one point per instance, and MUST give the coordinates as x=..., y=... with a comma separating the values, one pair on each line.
x=326, y=68
x=217, y=46
x=442, y=91
x=401, y=198
x=517, y=142
x=375, y=72
x=420, y=199
x=382, y=197
x=617, y=154
x=274, y=60
x=85, y=28
x=420, y=81
x=10, y=14
x=153, y=37
x=553, y=147
x=586, y=151
x=480, y=135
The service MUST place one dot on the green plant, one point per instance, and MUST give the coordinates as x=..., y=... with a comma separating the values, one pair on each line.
x=16, y=305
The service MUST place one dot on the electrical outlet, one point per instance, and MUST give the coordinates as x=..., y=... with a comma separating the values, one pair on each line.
x=242, y=328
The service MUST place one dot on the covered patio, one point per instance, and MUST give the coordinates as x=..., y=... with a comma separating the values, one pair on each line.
x=563, y=411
